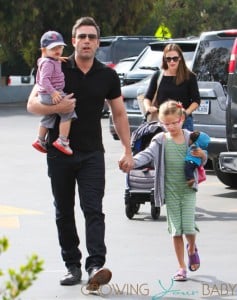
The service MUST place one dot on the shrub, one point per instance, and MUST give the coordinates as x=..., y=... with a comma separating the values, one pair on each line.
x=19, y=281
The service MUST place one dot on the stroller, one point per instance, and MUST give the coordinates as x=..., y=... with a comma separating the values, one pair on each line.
x=140, y=182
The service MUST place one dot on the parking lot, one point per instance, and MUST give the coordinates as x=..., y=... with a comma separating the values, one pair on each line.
x=140, y=252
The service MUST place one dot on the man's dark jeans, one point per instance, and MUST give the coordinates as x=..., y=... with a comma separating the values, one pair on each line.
x=87, y=169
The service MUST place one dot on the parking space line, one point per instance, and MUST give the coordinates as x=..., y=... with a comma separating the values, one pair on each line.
x=9, y=216
x=12, y=210
x=9, y=222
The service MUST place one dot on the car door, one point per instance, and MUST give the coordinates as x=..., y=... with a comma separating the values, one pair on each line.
x=231, y=112
x=211, y=67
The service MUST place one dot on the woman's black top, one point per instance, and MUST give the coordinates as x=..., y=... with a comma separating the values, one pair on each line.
x=186, y=92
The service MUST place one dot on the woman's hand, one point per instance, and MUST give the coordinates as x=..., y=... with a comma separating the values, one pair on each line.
x=152, y=109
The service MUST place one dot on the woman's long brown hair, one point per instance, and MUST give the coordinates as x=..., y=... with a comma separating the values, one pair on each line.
x=183, y=73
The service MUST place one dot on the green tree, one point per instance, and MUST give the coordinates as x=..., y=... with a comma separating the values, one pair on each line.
x=23, y=22
x=191, y=17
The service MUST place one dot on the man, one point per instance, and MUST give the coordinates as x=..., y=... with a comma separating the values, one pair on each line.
x=91, y=83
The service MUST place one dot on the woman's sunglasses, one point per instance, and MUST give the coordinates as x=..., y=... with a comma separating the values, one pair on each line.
x=174, y=58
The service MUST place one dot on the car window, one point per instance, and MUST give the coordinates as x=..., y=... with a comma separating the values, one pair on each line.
x=188, y=56
x=103, y=53
x=153, y=59
x=111, y=51
x=149, y=60
x=212, y=59
x=123, y=66
x=126, y=48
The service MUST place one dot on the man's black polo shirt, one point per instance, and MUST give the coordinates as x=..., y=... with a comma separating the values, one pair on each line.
x=90, y=90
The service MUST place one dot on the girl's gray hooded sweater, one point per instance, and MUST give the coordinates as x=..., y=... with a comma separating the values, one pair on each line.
x=155, y=152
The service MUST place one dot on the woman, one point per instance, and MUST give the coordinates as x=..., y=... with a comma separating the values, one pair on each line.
x=177, y=83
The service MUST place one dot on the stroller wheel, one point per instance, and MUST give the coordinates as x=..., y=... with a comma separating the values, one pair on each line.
x=130, y=210
x=155, y=212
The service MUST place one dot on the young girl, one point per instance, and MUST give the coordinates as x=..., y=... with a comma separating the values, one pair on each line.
x=50, y=83
x=167, y=150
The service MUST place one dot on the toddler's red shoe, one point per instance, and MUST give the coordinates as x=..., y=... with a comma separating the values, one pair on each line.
x=63, y=146
x=40, y=146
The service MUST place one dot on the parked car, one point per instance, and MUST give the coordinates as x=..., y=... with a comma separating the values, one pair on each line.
x=114, y=48
x=211, y=61
x=135, y=117
x=228, y=160
x=150, y=59
x=21, y=80
x=123, y=66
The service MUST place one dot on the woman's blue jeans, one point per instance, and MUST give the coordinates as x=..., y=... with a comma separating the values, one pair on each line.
x=87, y=170
x=188, y=124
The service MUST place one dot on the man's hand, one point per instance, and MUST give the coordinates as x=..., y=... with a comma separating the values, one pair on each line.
x=126, y=163
x=67, y=104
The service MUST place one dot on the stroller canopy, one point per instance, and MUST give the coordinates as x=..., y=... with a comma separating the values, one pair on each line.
x=141, y=137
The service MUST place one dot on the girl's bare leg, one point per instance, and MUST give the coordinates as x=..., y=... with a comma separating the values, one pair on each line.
x=179, y=250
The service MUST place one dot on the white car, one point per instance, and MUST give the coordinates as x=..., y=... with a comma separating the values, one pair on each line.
x=21, y=80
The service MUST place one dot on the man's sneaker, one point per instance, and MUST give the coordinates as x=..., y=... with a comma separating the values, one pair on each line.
x=97, y=277
x=72, y=277
x=40, y=146
x=63, y=146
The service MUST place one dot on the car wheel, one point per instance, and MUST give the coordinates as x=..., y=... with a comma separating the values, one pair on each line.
x=228, y=179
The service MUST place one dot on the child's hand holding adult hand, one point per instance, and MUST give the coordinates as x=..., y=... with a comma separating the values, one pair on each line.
x=56, y=97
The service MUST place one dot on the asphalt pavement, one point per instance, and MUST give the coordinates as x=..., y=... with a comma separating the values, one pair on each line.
x=140, y=251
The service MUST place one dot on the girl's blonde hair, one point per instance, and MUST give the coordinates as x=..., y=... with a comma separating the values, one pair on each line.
x=171, y=107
